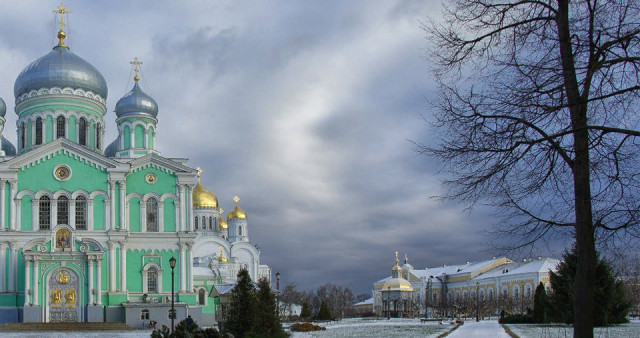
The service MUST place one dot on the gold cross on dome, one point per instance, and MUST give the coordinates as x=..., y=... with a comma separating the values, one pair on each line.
x=136, y=64
x=199, y=171
x=61, y=10
x=236, y=199
x=397, y=260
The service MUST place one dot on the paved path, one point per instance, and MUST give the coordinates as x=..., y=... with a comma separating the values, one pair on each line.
x=486, y=328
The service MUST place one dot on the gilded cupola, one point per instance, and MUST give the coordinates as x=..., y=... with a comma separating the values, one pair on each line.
x=203, y=198
x=222, y=223
x=236, y=212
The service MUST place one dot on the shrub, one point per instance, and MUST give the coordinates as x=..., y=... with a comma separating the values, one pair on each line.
x=306, y=327
x=516, y=319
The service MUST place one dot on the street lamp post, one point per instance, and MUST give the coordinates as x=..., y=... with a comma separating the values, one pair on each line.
x=477, y=301
x=172, y=263
x=388, y=302
x=278, y=297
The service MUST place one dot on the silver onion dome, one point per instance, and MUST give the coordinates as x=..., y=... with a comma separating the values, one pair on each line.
x=8, y=147
x=112, y=148
x=136, y=102
x=60, y=68
x=3, y=108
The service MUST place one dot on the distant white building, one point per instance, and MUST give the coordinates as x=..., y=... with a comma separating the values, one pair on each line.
x=473, y=289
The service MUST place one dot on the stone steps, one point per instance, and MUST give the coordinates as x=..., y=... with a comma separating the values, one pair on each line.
x=83, y=326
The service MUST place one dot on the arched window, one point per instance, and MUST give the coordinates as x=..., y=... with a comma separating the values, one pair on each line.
x=204, y=223
x=22, y=136
x=82, y=131
x=98, y=132
x=152, y=280
x=81, y=213
x=44, y=212
x=490, y=294
x=195, y=222
x=60, y=127
x=210, y=223
x=152, y=215
x=201, y=296
x=239, y=231
x=39, y=130
x=144, y=314
x=63, y=210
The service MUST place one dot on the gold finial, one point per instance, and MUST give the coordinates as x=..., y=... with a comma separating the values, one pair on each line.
x=406, y=259
x=61, y=34
x=199, y=172
x=397, y=260
x=136, y=64
x=222, y=258
x=236, y=199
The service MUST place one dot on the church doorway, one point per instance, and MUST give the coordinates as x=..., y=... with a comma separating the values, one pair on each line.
x=63, y=290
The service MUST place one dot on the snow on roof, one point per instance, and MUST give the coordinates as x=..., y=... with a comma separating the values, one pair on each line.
x=365, y=302
x=202, y=271
x=538, y=265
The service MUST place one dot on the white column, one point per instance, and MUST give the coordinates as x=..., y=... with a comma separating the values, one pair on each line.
x=14, y=187
x=27, y=280
x=36, y=278
x=189, y=267
x=107, y=214
x=183, y=270
x=3, y=267
x=71, y=206
x=13, y=259
x=89, y=214
x=18, y=212
x=189, y=208
x=90, y=281
x=112, y=206
x=2, y=204
x=35, y=216
x=133, y=140
x=112, y=266
x=143, y=216
x=181, y=224
x=123, y=267
x=123, y=202
x=146, y=138
x=99, y=282
x=160, y=216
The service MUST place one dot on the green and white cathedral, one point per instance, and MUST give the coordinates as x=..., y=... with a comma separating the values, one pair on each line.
x=86, y=234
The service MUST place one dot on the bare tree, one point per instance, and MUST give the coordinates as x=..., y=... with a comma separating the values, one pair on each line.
x=537, y=112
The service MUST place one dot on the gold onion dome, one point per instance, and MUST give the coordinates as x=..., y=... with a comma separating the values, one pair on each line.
x=397, y=284
x=203, y=198
x=222, y=223
x=236, y=212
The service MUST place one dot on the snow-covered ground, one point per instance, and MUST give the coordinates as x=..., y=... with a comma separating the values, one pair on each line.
x=485, y=328
x=78, y=334
x=378, y=328
x=619, y=331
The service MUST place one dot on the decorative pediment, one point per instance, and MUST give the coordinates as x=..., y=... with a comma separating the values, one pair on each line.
x=161, y=163
x=58, y=147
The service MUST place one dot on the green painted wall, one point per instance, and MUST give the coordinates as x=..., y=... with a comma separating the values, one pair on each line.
x=66, y=105
x=98, y=213
x=139, y=136
x=26, y=222
x=134, y=215
x=92, y=134
x=127, y=137
x=169, y=215
x=48, y=136
x=40, y=176
x=165, y=182
x=72, y=126
x=134, y=270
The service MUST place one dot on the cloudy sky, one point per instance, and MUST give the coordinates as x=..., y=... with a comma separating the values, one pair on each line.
x=304, y=109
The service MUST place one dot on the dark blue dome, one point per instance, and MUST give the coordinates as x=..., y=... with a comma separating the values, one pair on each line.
x=60, y=68
x=8, y=147
x=136, y=102
x=3, y=108
x=112, y=148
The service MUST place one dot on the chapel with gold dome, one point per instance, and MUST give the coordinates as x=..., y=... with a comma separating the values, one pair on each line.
x=88, y=230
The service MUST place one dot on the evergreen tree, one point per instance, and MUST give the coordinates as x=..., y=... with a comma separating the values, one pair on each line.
x=540, y=305
x=305, y=313
x=611, y=306
x=267, y=321
x=240, y=319
x=324, y=313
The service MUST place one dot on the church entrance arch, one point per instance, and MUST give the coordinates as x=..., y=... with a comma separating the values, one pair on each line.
x=63, y=296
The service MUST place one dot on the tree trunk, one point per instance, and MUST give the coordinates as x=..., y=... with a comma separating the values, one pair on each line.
x=585, y=242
